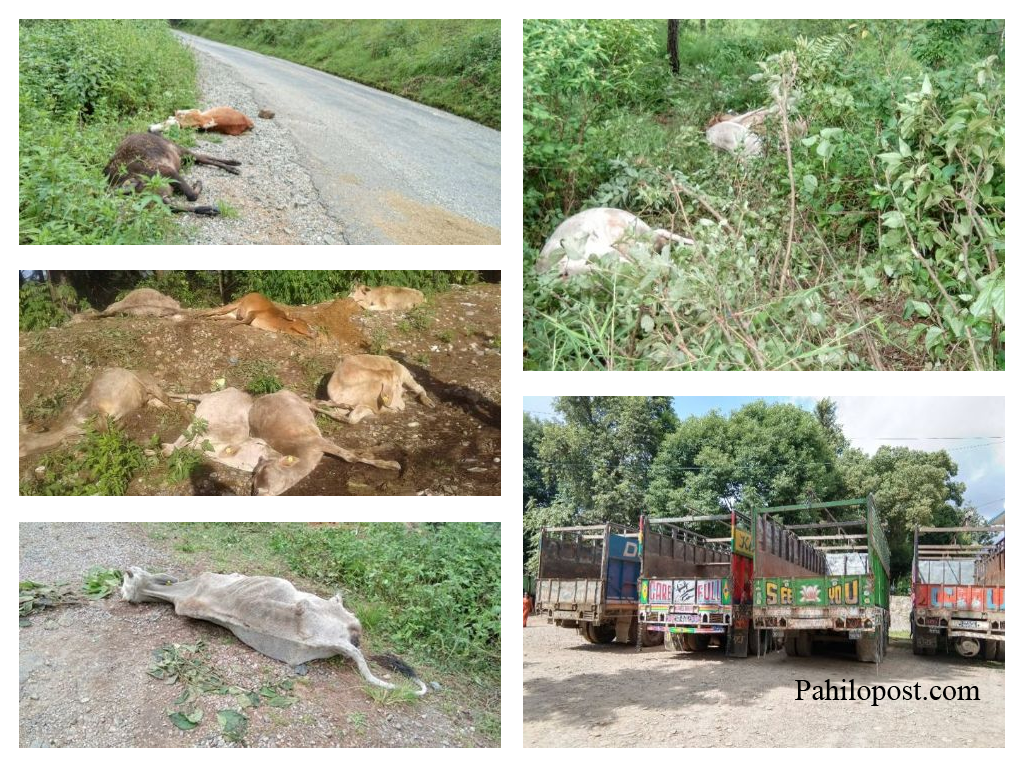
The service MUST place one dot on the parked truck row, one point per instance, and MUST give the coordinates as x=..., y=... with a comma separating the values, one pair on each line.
x=753, y=582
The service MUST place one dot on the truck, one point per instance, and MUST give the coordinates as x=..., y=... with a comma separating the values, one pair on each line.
x=958, y=591
x=587, y=581
x=696, y=589
x=823, y=582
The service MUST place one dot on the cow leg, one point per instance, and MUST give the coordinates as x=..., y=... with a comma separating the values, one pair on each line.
x=190, y=192
x=414, y=387
x=227, y=165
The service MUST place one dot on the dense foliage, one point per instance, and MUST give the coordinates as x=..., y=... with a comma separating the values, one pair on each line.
x=454, y=64
x=870, y=235
x=84, y=85
x=609, y=459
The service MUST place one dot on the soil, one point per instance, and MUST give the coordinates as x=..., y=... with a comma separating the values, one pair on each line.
x=451, y=345
x=83, y=680
x=580, y=695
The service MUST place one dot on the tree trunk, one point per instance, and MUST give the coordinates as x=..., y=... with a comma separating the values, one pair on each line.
x=673, y=45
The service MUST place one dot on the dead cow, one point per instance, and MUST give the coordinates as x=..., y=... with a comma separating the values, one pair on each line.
x=143, y=155
x=597, y=232
x=257, y=310
x=386, y=298
x=144, y=302
x=268, y=614
x=227, y=120
x=368, y=384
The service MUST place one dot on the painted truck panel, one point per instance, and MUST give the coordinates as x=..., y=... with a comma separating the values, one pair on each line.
x=821, y=591
x=969, y=598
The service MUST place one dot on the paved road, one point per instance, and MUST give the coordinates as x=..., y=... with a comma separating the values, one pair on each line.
x=390, y=170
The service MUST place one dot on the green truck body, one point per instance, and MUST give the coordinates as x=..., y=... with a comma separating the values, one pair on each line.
x=801, y=591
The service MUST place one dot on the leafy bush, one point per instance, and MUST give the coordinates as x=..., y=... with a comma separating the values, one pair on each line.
x=36, y=310
x=433, y=591
x=84, y=84
x=102, y=463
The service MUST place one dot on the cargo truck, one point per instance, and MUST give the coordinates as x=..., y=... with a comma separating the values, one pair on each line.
x=587, y=581
x=697, y=589
x=823, y=582
x=959, y=591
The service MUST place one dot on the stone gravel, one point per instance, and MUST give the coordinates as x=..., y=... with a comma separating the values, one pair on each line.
x=274, y=196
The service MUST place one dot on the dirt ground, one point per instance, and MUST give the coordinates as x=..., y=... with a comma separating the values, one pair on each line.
x=83, y=681
x=452, y=347
x=576, y=694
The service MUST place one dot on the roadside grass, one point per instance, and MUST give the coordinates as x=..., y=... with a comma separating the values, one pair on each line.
x=454, y=64
x=84, y=84
x=430, y=595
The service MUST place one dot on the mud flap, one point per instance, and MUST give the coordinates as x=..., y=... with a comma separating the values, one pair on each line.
x=737, y=645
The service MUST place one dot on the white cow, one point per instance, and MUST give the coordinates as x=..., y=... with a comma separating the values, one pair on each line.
x=598, y=232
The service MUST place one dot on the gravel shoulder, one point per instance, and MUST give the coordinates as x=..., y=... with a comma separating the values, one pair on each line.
x=82, y=669
x=274, y=195
x=576, y=694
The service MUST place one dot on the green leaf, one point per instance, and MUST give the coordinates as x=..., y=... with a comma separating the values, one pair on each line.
x=181, y=720
x=647, y=323
x=933, y=337
x=963, y=227
x=991, y=299
x=893, y=219
x=926, y=86
x=824, y=149
x=282, y=701
x=922, y=308
x=232, y=724
x=810, y=182
x=195, y=716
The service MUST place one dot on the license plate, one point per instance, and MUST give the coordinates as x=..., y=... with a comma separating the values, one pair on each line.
x=967, y=624
x=854, y=634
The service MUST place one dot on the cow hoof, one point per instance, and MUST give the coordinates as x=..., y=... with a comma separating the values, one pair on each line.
x=207, y=210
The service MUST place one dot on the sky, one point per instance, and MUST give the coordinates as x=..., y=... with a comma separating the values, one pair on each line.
x=971, y=429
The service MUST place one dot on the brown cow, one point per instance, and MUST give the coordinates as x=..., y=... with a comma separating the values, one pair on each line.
x=225, y=120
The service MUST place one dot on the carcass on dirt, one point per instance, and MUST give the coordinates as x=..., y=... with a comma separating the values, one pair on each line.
x=227, y=120
x=257, y=310
x=368, y=384
x=386, y=298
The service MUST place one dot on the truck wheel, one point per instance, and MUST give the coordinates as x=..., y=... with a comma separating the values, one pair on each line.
x=695, y=642
x=915, y=639
x=803, y=643
x=1001, y=651
x=931, y=650
x=990, y=650
x=869, y=649
x=968, y=647
x=599, y=634
x=649, y=638
x=790, y=644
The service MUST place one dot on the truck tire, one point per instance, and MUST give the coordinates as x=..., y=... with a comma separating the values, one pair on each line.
x=915, y=640
x=599, y=634
x=1001, y=651
x=790, y=644
x=968, y=647
x=990, y=650
x=803, y=643
x=931, y=650
x=650, y=638
x=869, y=647
x=695, y=642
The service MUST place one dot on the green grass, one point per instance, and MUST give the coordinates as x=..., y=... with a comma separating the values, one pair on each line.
x=84, y=85
x=454, y=64
x=429, y=594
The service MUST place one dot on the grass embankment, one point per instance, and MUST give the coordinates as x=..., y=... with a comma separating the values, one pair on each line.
x=454, y=64
x=84, y=85
x=430, y=594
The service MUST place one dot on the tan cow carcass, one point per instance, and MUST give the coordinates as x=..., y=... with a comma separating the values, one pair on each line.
x=226, y=120
x=386, y=298
x=266, y=613
x=369, y=384
x=257, y=310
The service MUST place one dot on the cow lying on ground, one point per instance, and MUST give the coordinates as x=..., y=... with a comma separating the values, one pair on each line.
x=597, y=232
x=368, y=384
x=227, y=120
x=144, y=302
x=257, y=310
x=274, y=436
x=113, y=392
x=386, y=298
x=742, y=132
x=267, y=614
